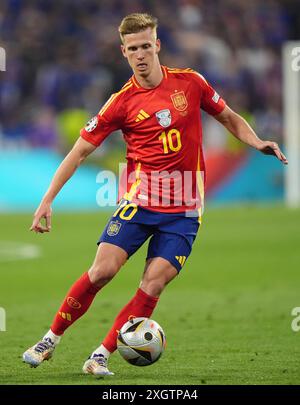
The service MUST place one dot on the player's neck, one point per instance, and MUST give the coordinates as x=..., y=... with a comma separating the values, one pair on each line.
x=153, y=79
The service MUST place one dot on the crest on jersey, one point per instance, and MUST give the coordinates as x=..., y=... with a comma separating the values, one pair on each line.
x=92, y=124
x=179, y=101
x=164, y=118
x=215, y=97
x=113, y=228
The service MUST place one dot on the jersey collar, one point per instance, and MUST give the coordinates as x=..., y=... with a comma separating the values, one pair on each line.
x=138, y=86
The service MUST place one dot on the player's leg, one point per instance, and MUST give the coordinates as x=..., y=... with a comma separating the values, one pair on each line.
x=167, y=253
x=108, y=261
x=130, y=227
x=157, y=274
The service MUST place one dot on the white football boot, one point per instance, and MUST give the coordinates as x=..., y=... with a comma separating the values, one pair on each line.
x=38, y=353
x=96, y=365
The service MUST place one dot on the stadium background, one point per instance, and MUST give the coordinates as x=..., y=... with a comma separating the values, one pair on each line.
x=228, y=316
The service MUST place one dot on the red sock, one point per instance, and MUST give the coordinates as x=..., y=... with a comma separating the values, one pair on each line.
x=141, y=304
x=76, y=303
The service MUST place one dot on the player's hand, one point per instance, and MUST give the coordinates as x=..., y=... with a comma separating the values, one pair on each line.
x=272, y=148
x=44, y=211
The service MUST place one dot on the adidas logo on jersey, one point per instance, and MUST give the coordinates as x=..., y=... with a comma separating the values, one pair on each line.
x=142, y=116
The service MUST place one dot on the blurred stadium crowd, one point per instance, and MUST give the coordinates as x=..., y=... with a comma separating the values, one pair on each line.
x=64, y=60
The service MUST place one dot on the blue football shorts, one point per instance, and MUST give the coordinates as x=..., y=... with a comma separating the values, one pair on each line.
x=172, y=234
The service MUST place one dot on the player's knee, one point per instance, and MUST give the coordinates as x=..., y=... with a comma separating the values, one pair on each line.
x=103, y=271
x=153, y=287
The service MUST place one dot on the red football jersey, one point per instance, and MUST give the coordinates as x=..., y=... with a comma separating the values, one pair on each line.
x=163, y=132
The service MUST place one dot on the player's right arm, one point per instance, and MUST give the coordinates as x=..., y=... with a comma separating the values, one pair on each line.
x=67, y=168
x=109, y=118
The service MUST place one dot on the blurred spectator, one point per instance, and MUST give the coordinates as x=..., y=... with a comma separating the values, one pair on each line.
x=43, y=130
x=69, y=120
x=64, y=60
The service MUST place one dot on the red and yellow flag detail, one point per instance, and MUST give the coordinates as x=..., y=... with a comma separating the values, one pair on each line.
x=179, y=101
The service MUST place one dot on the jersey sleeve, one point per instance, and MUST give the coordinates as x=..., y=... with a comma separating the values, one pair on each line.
x=109, y=119
x=210, y=101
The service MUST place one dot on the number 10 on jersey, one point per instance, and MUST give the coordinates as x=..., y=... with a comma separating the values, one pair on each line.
x=171, y=140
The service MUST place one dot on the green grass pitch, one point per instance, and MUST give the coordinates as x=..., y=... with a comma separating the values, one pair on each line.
x=227, y=317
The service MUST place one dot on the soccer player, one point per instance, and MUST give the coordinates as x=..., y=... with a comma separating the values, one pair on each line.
x=158, y=113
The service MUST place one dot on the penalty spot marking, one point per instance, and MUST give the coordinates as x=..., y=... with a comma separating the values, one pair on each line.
x=11, y=251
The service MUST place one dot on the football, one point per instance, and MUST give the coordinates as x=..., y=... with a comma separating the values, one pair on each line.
x=141, y=341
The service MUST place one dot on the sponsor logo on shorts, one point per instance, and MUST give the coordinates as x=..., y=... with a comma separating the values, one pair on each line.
x=181, y=259
x=73, y=303
x=113, y=228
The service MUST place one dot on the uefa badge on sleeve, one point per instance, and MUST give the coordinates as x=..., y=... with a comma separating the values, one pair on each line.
x=216, y=97
x=92, y=124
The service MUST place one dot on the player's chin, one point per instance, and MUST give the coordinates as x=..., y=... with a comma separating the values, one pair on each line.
x=142, y=71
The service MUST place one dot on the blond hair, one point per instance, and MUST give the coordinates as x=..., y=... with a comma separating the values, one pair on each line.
x=137, y=22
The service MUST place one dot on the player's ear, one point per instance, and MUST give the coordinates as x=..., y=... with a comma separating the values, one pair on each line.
x=157, y=43
x=123, y=51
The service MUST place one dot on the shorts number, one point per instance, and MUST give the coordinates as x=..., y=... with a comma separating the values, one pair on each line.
x=123, y=208
x=168, y=140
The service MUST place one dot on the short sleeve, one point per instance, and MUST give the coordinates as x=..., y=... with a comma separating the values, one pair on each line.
x=109, y=119
x=210, y=100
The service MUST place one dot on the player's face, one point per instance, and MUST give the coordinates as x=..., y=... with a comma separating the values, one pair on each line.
x=141, y=50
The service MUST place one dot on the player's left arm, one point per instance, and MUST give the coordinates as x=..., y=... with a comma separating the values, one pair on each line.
x=242, y=131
